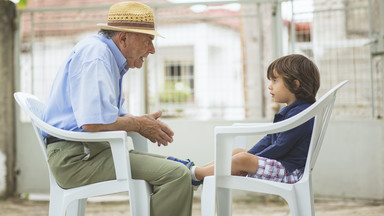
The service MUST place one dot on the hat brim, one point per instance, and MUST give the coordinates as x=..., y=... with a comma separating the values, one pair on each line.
x=116, y=28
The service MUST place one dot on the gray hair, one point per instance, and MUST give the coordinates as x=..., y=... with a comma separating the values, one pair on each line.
x=108, y=33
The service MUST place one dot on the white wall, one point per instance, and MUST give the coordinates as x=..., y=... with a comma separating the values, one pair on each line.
x=350, y=164
x=216, y=56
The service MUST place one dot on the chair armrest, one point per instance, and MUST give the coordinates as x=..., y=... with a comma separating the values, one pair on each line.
x=139, y=142
x=78, y=136
x=121, y=156
x=241, y=129
x=248, y=124
x=225, y=136
x=116, y=139
x=94, y=136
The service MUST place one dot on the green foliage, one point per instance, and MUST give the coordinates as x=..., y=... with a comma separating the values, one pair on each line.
x=22, y=3
x=174, y=93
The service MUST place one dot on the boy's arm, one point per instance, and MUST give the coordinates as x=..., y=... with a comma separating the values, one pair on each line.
x=261, y=145
x=287, y=140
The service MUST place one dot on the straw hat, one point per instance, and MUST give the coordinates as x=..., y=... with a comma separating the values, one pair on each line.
x=130, y=17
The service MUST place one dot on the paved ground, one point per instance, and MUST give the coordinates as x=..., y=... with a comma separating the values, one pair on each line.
x=242, y=207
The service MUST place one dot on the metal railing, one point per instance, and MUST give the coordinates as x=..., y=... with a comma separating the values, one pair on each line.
x=227, y=46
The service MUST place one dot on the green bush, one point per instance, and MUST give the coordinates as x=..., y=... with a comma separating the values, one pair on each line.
x=173, y=94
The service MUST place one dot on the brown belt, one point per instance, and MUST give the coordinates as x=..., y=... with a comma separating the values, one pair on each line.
x=51, y=139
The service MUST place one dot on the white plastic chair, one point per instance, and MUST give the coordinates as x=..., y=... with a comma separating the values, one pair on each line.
x=73, y=201
x=299, y=196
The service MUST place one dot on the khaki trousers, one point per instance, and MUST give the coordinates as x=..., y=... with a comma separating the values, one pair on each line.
x=79, y=163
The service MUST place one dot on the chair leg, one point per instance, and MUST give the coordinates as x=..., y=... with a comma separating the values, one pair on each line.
x=224, y=201
x=305, y=199
x=77, y=208
x=292, y=204
x=56, y=206
x=140, y=198
x=208, y=194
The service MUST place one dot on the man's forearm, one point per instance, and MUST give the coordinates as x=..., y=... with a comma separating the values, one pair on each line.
x=127, y=123
x=148, y=126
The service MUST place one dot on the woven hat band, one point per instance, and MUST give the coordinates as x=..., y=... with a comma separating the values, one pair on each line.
x=130, y=16
x=132, y=24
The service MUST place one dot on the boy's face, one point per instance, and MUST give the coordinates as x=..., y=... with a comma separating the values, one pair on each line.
x=280, y=93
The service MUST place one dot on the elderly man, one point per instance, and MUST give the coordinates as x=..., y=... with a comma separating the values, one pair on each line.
x=87, y=96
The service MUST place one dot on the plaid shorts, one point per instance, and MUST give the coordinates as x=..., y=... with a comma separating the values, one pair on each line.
x=273, y=170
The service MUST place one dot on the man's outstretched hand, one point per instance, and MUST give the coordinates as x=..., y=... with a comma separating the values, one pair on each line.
x=155, y=130
x=148, y=126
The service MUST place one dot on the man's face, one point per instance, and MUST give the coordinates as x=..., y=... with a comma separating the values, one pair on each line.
x=138, y=46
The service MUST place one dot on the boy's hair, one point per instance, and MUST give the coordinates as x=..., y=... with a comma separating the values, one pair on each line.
x=297, y=67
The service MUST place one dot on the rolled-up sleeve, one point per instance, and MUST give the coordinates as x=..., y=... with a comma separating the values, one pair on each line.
x=94, y=93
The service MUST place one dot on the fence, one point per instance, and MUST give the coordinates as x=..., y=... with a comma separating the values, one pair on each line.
x=213, y=61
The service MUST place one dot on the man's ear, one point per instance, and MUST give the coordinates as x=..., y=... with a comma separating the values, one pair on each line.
x=122, y=39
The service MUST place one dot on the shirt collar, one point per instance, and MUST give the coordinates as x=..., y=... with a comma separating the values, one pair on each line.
x=119, y=57
x=297, y=102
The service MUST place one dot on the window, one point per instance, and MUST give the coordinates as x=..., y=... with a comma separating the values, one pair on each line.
x=178, y=87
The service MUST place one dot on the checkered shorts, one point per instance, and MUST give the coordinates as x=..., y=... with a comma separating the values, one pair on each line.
x=273, y=170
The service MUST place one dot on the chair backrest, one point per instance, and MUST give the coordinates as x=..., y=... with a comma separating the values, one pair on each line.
x=34, y=108
x=322, y=109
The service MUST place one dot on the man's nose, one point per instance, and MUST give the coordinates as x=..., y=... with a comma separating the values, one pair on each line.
x=152, y=49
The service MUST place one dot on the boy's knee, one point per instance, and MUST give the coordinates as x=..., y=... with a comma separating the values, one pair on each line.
x=240, y=158
x=237, y=151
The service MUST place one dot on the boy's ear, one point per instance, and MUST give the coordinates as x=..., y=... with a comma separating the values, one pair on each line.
x=297, y=84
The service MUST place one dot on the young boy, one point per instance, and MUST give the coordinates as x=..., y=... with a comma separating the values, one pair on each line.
x=294, y=81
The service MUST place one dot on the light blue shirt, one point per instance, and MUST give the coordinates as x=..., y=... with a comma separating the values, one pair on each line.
x=87, y=87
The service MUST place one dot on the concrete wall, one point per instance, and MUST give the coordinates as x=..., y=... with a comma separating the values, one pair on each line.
x=350, y=165
x=351, y=161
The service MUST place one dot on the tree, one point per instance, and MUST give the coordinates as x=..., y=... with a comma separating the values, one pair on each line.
x=7, y=75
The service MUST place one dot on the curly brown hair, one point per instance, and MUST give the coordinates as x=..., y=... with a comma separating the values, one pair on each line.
x=297, y=67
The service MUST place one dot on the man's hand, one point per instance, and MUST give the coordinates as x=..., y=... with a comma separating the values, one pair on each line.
x=153, y=129
x=147, y=125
